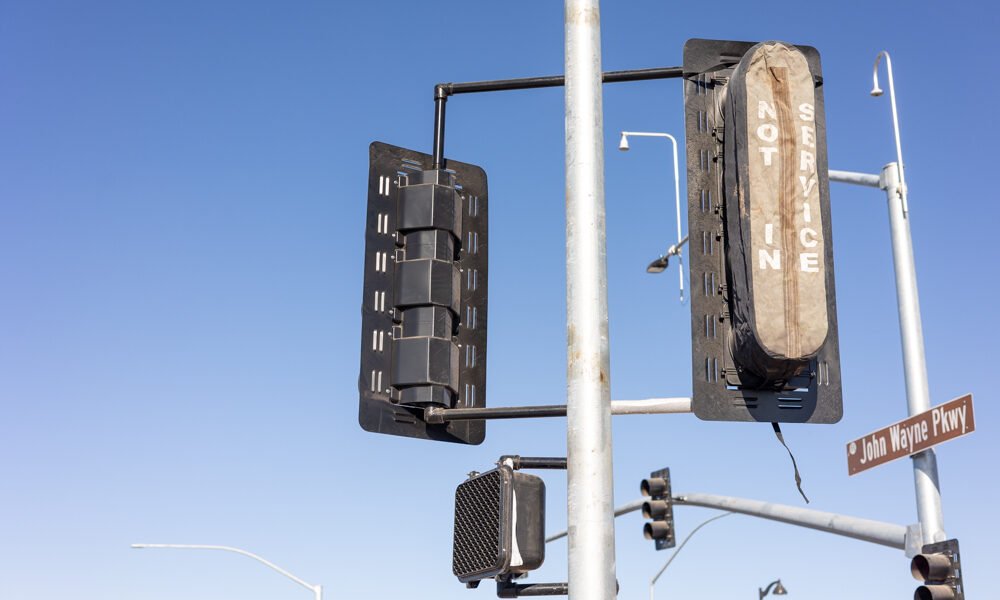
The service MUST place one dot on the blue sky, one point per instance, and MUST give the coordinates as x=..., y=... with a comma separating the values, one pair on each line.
x=182, y=195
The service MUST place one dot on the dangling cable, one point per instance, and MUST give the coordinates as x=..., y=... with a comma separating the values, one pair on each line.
x=798, y=478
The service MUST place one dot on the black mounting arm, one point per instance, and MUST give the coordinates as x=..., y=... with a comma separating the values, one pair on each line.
x=443, y=415
x=508, y=589
x=533, y=462
x=443, y=90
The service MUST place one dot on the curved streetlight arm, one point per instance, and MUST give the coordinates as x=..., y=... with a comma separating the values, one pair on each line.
x=652, y=582
x=316, y=589
x=876, y=91
x=765, y=591
x=677, y=197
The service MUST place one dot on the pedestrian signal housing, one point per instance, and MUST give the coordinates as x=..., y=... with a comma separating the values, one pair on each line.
x=499, y=525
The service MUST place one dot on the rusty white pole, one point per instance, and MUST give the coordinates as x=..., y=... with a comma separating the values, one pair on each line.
x=590, y=511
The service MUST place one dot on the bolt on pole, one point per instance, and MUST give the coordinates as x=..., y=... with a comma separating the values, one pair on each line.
x=925, y=474
x=590, y=511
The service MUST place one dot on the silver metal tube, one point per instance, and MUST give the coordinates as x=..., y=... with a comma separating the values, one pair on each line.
x=876, y=532
x=674, y=249
x=652, y=406
x=866, y=179
x=925, y=476
x=895, y=124
x=677, y=204
x=590, y=510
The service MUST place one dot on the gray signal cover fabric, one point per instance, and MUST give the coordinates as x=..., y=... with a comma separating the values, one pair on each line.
x=774, y=230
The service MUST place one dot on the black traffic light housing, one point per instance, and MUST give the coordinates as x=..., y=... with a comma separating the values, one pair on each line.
x=424, y=306
x=747, y=204
x=939, y=566
x=659, y=508
x=499, y=525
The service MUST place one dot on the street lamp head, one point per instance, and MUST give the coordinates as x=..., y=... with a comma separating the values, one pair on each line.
x=779, y=590
x=623, y=144
x=876, y=90
x=659, y=265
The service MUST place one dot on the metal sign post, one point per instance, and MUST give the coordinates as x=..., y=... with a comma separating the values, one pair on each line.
x=590, y=511
x=925, y=475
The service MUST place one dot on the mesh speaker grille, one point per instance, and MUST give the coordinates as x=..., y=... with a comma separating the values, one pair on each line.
x=478, y=546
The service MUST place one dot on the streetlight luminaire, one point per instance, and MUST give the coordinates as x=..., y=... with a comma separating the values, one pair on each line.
x=877, y=91
x=660, y=264
x=779, y=590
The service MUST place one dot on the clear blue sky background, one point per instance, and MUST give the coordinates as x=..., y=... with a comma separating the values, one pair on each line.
x=182, y=196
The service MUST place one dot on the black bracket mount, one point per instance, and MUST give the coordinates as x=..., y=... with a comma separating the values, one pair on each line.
x=439, y=415
x=508, y=589
x=443, y=91
x=532, y=462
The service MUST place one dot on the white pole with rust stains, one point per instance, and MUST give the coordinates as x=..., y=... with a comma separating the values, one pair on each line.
x=590, y=512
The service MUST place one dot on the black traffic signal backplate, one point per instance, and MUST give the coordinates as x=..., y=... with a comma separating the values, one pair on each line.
x=719, y=393
x=391, y=168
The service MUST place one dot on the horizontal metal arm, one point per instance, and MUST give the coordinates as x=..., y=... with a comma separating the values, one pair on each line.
x=509, y=589
x=651, y=406
x=443, y=91
x=865, y=179
x=533, y=462
x=443, y=415
x=526, y=83
x=866, y=530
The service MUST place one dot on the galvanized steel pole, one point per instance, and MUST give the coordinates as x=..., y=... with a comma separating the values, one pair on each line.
x=590, y=511
x=918, y=399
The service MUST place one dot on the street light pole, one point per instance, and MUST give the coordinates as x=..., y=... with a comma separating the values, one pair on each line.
x=652, y=582
x=317, y=590
x=925, y=471
x=877, y=91
x=918, y=400
x=590, y=496
x=676, y=248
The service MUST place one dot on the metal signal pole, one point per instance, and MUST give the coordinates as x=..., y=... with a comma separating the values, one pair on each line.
x=590, y=511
